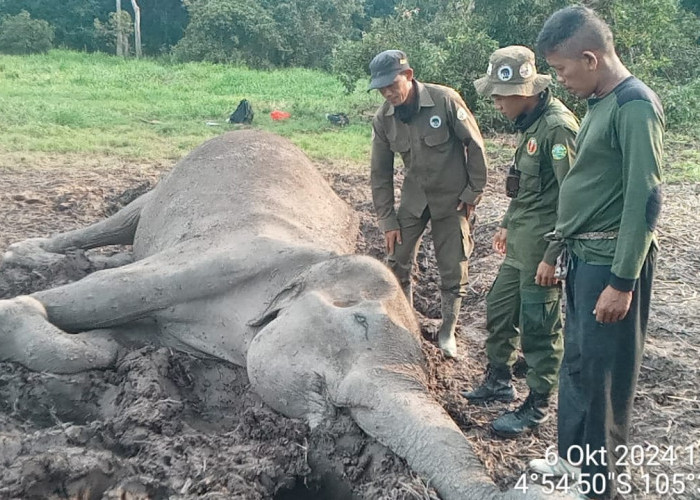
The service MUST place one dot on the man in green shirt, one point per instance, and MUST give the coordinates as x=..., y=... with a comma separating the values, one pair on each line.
x=609, y=205
x=444, y=161
x=523, y=305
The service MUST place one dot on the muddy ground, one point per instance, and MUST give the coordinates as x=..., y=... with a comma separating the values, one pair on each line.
x=165, y=425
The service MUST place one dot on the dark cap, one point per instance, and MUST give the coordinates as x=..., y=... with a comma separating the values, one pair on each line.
x=385, y=66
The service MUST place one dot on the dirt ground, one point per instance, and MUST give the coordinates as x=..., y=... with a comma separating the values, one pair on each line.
x=165, y=425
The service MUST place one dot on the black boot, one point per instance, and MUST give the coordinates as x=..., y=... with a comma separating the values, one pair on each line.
x=530, y=415
x=496, y=386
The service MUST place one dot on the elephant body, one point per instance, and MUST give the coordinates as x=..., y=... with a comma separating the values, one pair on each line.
x=244, y=253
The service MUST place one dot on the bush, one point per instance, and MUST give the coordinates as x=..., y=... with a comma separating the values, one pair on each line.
x=21, y=34
x=682, y=106
x=446, y=48
x=311, y=29
x=230, y=31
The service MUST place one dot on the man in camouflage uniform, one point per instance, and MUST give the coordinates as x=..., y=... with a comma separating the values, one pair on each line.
x=523, y=305
x=442, y=150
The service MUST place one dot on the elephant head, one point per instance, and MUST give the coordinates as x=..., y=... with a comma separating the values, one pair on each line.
x=342, y=335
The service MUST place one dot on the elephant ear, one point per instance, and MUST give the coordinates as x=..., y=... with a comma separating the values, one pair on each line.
x=288, y=294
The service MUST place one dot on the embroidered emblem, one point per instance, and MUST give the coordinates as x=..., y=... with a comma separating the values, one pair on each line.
x=559, y=151
x=526, y=70
x=505, y=73
x=462, y=114
x=489, y=70
x=532, y=146
x=435, y=121
x=403, y=61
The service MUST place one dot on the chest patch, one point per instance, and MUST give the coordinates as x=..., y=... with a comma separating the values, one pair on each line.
x=435, y=121
x=532, y=146
x=559, y=151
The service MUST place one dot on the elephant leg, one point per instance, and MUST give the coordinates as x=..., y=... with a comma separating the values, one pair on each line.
x=113, y=297
x=28, y=338
x=119, y=229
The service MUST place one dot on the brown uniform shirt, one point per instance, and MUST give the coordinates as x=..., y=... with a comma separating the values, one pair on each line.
x=442, y=151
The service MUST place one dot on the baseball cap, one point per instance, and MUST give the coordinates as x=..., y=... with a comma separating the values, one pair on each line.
x=385, y=66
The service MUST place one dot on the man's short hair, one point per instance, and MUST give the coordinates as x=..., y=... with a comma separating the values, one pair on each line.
x=574, y=29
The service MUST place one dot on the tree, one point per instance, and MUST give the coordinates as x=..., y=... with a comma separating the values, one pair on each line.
x=115, y=33
x=137, y=27
x=230, y=31
x=21, y=34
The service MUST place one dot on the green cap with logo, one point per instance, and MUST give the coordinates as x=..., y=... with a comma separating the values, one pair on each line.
x=385, y=66
x=512, y=71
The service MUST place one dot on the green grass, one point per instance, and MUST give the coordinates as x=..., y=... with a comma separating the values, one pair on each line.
x=70, y=102
x=73, y=102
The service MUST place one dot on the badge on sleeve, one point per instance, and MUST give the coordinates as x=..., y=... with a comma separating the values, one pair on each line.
x=435, y=121
x=532, y=146
x=462, y=114
x=559, y=151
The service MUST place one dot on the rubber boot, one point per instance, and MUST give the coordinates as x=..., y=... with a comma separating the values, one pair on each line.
x=450, y=304
x=408, y=292
x=496, y=386
x=532, y=413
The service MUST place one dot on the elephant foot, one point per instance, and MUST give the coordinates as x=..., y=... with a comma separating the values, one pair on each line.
x=28, y=338
x=31, y=254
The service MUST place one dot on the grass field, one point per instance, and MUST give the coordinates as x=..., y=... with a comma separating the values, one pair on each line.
x=97, y=104
x=70, y=102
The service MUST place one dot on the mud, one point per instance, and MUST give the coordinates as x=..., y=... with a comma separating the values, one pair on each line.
x=163, y=424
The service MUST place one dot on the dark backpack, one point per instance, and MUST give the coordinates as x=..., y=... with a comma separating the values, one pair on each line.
x=243, y=114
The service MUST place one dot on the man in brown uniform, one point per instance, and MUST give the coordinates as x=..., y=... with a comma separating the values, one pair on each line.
x=442, y=150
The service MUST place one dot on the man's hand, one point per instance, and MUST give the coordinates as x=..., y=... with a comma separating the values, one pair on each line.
x=613, y=305
x=545, y=275
x=465, y=206
x=391, y=238
x=499, y=241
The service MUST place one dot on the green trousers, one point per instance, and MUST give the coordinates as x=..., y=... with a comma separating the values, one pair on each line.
x=453, y=246
x=520, y=312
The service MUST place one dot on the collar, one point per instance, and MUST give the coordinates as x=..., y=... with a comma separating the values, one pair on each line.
x=424, y=99
x=524, y=121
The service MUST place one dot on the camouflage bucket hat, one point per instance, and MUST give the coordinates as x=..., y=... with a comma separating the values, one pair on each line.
x=512, y=71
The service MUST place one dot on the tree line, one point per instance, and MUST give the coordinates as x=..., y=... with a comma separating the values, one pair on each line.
x=448, y=41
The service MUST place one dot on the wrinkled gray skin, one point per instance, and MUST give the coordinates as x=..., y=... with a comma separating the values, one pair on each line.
x=241, y=254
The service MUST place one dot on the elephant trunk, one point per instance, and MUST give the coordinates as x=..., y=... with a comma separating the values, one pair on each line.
x=413, y=425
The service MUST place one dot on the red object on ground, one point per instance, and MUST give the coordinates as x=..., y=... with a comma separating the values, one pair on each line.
x=279, y=115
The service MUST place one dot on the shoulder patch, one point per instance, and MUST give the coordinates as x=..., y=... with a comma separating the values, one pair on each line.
x=633, y=89
x=559, y=151
x=532, y=146
x=462, y=114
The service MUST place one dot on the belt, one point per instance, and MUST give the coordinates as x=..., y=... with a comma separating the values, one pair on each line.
x=594, y=235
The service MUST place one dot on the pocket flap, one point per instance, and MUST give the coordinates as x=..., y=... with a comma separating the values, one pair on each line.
x=529, y=164
x=440, y=136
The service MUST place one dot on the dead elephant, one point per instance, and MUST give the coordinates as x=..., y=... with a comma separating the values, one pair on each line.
x=243, y=253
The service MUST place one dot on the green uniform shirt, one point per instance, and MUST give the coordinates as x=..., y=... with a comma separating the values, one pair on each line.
x=614, y=184
x=544, y=154
x=439, y=171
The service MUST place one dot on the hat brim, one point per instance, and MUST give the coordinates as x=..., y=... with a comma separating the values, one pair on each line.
x=486, y=87
x=383, y=79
